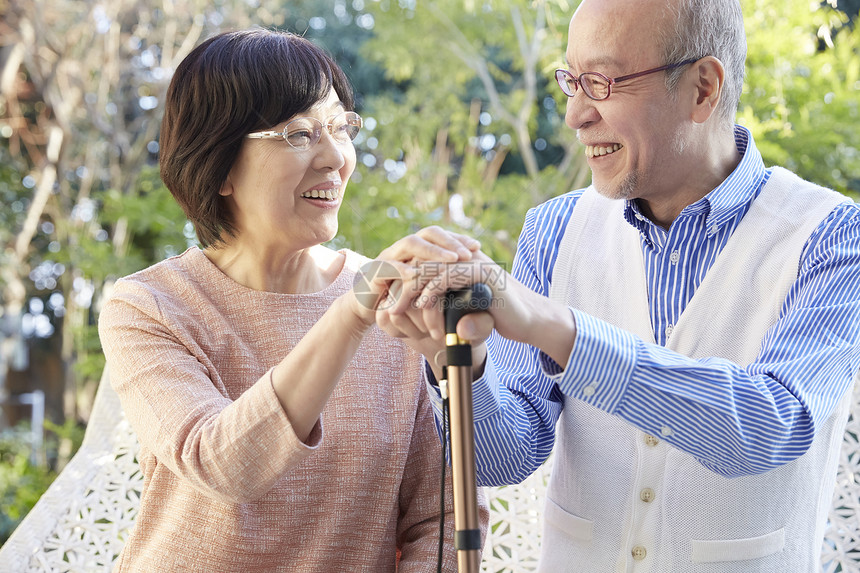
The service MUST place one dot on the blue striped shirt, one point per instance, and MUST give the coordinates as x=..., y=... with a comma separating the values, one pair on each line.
x=735, y=420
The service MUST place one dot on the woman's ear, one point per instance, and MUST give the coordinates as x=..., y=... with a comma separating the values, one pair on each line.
x=708, y=75
x=226, y=187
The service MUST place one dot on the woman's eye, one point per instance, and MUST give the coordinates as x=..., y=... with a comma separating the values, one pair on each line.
x=299, y=135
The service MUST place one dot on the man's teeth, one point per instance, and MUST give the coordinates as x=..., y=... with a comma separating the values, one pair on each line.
x=597, y=150
x=329, y=194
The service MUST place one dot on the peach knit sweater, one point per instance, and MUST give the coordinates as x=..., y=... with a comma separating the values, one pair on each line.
x=228, y=487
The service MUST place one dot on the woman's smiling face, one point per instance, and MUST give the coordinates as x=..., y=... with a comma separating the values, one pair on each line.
x=280, y=194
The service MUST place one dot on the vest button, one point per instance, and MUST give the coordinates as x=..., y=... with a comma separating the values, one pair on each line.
x=647, y=495
x=651, y=440
x=639, y=553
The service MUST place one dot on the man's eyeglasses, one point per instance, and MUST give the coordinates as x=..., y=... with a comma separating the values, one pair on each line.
x=596, y=85
x=303, y=133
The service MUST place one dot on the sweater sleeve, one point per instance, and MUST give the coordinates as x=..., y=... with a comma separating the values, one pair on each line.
x=232, y=450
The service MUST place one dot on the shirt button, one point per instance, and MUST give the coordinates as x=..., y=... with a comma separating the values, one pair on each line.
x=639, y=553
x=651, y=440
x=675, y=257
x=669, y=330
x=666, y=431
x=647, y=495
x=589, y=391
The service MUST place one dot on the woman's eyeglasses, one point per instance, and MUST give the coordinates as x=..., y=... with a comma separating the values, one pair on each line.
x=303, y=133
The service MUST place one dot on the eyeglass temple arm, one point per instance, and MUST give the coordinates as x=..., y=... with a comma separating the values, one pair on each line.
x=652, y=71
x=264, y=134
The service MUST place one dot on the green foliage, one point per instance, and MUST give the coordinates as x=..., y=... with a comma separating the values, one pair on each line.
x=66, y=436
x=444, y=54
x=14, y=198
x=455, y=77
x=802, y=94
x=464, y=134
x=90, y=362
x=458, y=73
x=156, y=225
x=21, y=482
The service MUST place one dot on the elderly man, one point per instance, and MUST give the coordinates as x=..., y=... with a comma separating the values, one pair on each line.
x=691, y=320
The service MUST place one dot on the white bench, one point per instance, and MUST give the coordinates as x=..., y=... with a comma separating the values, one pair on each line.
x=82, y=521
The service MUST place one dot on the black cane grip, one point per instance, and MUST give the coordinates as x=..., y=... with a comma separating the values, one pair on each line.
x=461, y=302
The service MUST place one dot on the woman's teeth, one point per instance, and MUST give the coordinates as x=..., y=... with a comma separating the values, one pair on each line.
x=598, y=150
x=328, y=194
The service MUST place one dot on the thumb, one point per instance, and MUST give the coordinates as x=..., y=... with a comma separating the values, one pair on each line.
x=476, y=327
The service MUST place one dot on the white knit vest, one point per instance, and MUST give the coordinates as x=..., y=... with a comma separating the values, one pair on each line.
x=620, y=500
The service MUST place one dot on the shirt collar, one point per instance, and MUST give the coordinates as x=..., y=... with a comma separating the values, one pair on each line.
x=722, y=203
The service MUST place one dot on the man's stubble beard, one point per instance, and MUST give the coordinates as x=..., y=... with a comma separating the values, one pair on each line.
x=629, y=185
x=625, y=190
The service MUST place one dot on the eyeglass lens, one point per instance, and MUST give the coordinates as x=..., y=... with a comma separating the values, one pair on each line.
x=593, y=84
x=304, y=132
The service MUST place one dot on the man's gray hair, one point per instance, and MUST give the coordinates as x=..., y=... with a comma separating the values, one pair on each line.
x=709, y=28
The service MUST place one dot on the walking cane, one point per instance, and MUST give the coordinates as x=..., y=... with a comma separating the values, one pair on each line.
x=467, y=532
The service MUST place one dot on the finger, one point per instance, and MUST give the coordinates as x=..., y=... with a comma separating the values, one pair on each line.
x=374, y=280
x=414, y=317
x=434, y=321
x=453, y=277
x=384, y=323
x=414, y=247
x=432, y=244
x=465, y=274
x=401, y=325
x=464, y=245
x=412, y=287
x=476, y=327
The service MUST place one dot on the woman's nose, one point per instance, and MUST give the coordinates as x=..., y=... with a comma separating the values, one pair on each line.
x=328, y=152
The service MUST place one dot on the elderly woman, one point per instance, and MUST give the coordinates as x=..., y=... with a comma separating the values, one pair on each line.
x=280, y=430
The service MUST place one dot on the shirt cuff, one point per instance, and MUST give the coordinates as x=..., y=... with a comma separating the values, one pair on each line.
x=485, y=391
x=432, y=388
x=600, y=365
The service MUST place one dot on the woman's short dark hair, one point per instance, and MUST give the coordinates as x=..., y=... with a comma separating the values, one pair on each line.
x=228, y=86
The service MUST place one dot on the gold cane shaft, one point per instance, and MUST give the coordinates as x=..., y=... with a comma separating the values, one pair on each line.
x=466, y=521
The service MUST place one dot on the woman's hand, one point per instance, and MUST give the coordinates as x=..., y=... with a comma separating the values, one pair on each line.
x=414, y=309
x=380, y=282
x=418, y=308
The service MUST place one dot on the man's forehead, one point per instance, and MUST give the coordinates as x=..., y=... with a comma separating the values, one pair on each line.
x=585, y=62
x=605, y=37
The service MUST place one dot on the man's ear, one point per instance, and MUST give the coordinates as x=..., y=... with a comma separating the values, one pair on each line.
x=708, y=75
